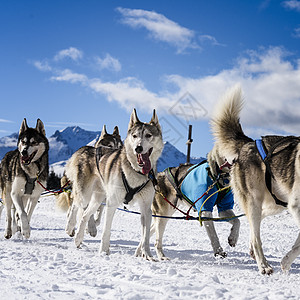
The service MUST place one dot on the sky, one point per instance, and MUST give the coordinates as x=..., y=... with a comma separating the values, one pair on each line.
x=89, y=63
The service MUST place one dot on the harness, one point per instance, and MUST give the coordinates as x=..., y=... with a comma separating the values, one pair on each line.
x=176, y=183
x=267, y=155
x=130, y=192
x=29, y=185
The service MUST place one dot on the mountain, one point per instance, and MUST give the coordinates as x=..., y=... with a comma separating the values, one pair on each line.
x=65, y=142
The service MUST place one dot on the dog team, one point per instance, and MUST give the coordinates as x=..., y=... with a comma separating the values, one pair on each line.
x=262, y=175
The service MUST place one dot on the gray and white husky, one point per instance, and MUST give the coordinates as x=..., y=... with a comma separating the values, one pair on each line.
x=20, y=169
x=161, y=207
x=263, y=184
x=123, y=177
x=83, y=173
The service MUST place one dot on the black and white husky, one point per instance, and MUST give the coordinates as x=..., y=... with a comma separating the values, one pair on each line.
x=123, y=177
x=265, y=176
x=20, y=169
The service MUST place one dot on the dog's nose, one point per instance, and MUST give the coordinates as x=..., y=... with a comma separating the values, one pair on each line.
x=24, y=152
x=139, y=149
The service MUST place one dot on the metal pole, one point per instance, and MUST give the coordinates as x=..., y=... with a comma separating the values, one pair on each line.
x=189, y=144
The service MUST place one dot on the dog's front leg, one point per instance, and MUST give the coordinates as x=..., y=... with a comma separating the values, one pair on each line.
x=143, y=248
x=19, y=206
x=291, y=256
x=8, y=208
x=31, y=204
x=212, y=234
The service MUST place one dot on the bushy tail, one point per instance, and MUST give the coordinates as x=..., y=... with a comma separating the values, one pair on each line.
x=226, y=125
x=65, y=199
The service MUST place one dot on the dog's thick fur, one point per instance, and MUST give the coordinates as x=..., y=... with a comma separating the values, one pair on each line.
x=83, y=173
x=248, y=175
x=18, y=167
x=161, y=208
x=142, y=148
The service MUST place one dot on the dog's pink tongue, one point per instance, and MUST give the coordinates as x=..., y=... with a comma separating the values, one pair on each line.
x=143, y=159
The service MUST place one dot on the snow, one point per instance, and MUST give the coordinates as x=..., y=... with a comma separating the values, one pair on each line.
x=49, y=266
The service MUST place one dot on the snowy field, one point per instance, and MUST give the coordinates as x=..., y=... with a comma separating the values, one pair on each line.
x=48, y=266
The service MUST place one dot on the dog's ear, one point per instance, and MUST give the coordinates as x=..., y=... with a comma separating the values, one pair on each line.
x=133, y=119
x=154, y=121
x=23, y=127
x=103, y=132
x=116, y=131
x=40, y=127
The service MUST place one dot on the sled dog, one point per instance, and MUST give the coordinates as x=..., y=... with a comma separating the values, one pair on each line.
x=20, y=169
x=265, y=176
x=173, y=194
x=124, y=178
x=83, y=173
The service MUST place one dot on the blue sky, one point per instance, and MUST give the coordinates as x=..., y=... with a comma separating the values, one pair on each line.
x=89, y=63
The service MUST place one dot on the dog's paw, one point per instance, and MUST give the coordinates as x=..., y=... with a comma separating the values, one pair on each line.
x=285, y=264
x=266, y=270
x=220, y=253
x=26, y=233
x=8, y=234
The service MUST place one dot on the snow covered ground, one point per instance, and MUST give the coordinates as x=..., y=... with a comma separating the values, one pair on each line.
x=48, y=266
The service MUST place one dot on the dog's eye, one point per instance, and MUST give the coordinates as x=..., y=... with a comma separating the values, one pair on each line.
x=148, y=135
x=134, y=136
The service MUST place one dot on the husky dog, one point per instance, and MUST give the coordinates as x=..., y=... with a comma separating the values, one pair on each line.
x=124, y=178
x=174, y=194
x=83, y=173
x=20, y=169
x=264, y=182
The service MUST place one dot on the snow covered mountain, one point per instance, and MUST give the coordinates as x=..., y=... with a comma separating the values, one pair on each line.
x=65, y=142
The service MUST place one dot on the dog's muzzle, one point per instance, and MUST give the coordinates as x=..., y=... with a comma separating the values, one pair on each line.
x=25, y=159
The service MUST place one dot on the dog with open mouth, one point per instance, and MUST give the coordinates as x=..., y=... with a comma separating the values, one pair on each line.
x=19, y=171
x=124, y=178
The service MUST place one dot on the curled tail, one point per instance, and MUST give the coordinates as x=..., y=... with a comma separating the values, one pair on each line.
x=226, y=126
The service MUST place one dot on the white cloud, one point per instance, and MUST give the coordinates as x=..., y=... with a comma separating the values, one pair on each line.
x=109, y=62
x=292, y=4
x=270, y=84
x=5, y=121
x=71, y=52
x=208, y=38
x=160, y=27
x=69, y=76
x=42, y=65
x=296, y=33
x=269, y=78
x=130, y=92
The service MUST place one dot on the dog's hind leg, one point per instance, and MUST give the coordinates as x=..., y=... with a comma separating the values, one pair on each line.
x=235, y=229
x=212, y=234
x=158, y=226
x=254, y=215
x=71, y=220
x=87, y=214
x=105, y=241
x=98, y=215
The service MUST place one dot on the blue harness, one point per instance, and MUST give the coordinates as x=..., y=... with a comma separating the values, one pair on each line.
x=197, y=182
